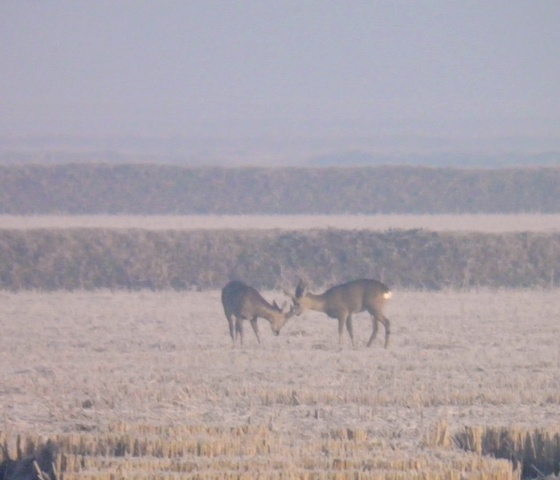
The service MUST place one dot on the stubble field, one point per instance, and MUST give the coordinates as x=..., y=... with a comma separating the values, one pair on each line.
x=149, y=385
x=100, y=365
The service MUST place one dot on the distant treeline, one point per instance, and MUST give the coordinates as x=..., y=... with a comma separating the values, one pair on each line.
x=155, y=190
x=142, y=259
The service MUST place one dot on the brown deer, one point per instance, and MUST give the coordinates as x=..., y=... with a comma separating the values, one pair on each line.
x=243, y=302
x=341, y=301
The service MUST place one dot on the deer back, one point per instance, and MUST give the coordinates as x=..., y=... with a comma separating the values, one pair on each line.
x=358, y=295
x=354, y=296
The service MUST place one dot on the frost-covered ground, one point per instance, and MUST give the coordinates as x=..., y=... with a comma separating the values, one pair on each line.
x=83, y=361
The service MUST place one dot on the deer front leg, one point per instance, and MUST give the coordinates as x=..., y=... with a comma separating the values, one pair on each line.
x=375, y=325
x=231, y=327
x=239, y=329
x=341, y=322
x=349, y=328
x=255, y=327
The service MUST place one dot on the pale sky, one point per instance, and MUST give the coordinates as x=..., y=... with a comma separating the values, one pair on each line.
x=278, y=79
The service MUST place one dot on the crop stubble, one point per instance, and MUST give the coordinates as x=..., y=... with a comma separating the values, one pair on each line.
x=161, y=365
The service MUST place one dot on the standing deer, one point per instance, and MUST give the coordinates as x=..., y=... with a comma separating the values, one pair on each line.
x=245, y=303
x=341, y=301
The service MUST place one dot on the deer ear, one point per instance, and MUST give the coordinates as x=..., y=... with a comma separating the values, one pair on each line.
x=275, y=305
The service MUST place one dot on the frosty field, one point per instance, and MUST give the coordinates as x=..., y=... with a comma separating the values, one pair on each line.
x=97, y=364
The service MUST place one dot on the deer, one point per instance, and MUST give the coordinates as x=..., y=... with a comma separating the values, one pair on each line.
x=243, y=302
x=342, y=301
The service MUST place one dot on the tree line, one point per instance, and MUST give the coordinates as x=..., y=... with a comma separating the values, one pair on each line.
x=157, y=189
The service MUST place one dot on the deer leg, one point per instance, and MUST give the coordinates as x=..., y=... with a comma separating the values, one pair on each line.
x=387, y=324
x=375, y=325
x=349, y=328
x=341, y=322
x=231, y=327
x=239, y=329
x=255, y=327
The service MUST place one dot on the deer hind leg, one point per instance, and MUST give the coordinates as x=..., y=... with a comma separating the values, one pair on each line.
x=387, y=324
x=375, y=325
x=255, y=328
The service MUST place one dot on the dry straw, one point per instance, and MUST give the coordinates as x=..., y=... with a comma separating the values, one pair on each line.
x=255, y=451
x=536, y=450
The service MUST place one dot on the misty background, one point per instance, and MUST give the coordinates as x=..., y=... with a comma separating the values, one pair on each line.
x=281, y=83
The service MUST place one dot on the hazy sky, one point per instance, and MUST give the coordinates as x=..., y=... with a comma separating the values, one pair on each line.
x=275, y=76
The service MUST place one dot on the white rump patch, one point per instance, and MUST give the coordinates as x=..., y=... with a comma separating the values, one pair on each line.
x=387, y=295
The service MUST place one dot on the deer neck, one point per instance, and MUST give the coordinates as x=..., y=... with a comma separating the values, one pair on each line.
x=268, y=312
x=315, y=302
